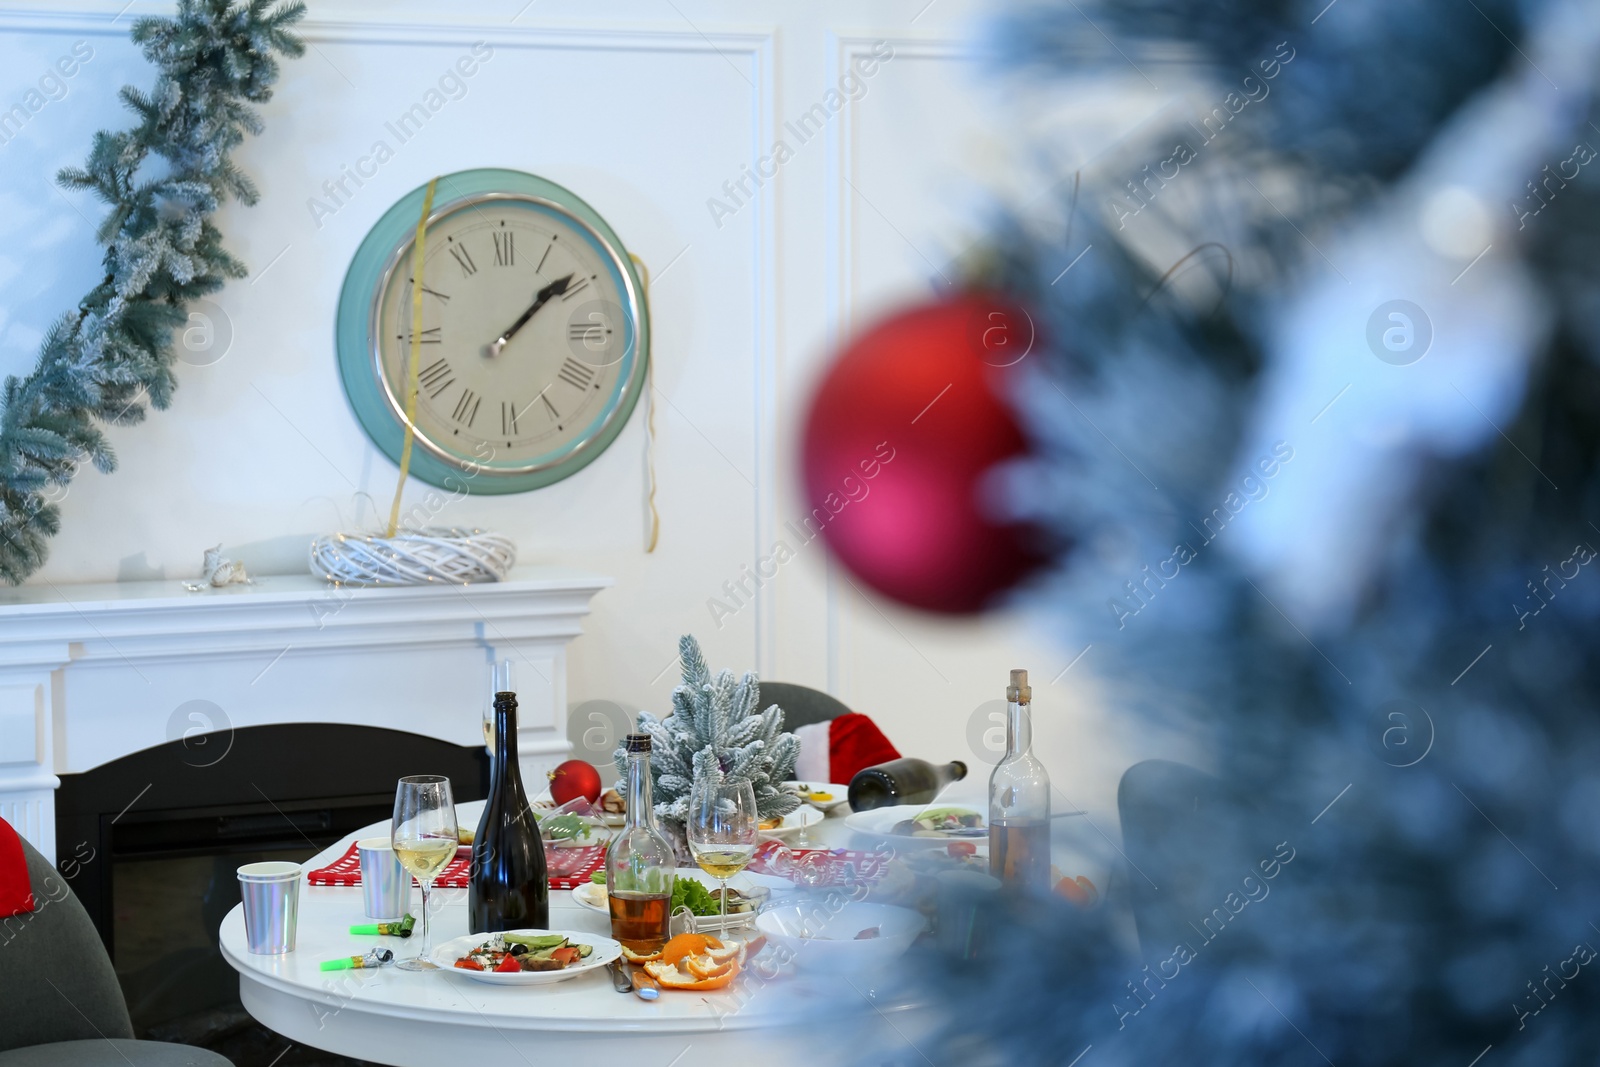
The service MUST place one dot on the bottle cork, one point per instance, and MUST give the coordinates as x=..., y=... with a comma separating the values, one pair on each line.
x=1019, y=691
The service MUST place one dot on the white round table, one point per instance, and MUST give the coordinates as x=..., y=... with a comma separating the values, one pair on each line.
x=429, y=1018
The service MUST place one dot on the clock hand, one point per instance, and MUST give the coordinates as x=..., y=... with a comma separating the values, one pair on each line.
x=555, y=288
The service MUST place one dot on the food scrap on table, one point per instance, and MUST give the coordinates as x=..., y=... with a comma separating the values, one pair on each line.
x=511, y=953
x=696, y=962
x=942, y=822
x=1079, y=890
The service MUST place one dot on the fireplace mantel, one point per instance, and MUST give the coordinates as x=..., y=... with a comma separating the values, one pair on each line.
x=90, y=673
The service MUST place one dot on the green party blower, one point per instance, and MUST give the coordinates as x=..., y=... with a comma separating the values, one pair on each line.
x=399, y=929
x=376, y=958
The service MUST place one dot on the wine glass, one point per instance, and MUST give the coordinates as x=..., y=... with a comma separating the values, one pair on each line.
x=722, y=826
x=424, y=839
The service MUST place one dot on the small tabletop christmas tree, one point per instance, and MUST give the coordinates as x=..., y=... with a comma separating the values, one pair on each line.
x=714, y=733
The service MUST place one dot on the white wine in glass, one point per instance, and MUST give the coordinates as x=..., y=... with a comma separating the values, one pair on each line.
x=424, y=839
x=722, y=827
x=723, y=862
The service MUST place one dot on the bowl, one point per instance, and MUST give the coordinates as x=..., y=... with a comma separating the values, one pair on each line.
x=823, y=938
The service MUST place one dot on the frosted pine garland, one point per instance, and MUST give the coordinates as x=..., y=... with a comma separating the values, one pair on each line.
x=714, y=733
x=102, y=360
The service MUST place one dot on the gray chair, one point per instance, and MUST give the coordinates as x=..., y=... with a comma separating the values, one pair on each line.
x=1195, y=837
x=802, y=706
x=60, y=1002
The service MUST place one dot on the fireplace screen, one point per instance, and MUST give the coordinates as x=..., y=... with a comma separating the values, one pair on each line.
x=157, y=872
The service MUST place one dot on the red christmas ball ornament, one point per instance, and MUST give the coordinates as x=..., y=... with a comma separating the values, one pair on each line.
x=905, y=426
x=575, y=778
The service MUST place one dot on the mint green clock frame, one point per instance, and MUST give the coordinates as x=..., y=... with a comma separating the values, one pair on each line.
x=385, y=245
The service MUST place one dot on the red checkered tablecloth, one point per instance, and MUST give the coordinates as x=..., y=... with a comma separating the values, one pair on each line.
x=569, y=868
x=819, y=867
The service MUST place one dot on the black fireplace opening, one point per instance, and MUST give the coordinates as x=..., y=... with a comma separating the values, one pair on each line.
x=150, y=843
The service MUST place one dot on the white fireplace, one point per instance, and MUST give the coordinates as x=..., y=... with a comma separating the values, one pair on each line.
x=90, y=673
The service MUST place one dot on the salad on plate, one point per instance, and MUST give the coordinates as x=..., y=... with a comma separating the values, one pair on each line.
x=942, y=822
x=511, y=953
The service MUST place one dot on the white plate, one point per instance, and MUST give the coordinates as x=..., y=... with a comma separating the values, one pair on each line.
x=743, y=880
x=605, y=950
x=841, y=794
x=880, y=822
x=542, y=803
x=592, y=896
x=801, y=816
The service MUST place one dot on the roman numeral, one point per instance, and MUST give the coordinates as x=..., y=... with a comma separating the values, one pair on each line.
x=592, y=335
x=467, y=407
x=435, y=378
x=468, y=268
x=546, y=255
x=554, y=414
x=508, y=418
x=505, y=251
x=429, y=337
x=576, y=289
x=430, y=292
x=576, y=373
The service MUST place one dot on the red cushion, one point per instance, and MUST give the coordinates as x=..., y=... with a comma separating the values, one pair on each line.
x=854, y=742
x=16, y=895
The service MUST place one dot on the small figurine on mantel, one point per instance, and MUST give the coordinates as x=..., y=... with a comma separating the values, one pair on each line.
x=218, y=570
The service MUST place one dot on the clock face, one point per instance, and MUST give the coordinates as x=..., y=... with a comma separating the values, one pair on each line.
x=531, y=342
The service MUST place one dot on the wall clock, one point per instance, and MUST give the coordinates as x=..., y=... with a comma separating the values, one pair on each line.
x=535, y=334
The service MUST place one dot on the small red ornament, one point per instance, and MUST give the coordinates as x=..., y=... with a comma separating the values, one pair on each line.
x=575, y=778
x=904, y=427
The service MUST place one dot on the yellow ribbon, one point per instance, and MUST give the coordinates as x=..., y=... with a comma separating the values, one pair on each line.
x=417, y=263
x=649, y=418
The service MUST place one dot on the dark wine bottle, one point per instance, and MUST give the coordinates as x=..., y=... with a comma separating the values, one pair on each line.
x=509, y=887
x=902, y=781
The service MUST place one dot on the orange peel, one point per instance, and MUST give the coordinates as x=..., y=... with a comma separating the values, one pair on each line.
x=726, y=954
x=706, y=967
x=687, y=945
x=670, y=977
x=635, y=957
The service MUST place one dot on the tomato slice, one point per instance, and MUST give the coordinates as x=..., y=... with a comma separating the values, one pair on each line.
x=509, y=965
x=566, y=955
x=467, y=963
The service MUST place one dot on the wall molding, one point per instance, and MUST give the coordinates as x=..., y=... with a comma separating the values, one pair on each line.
x=363, y=27
x=843, y=230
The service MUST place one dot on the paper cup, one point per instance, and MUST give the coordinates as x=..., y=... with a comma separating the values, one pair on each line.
x=385, y=885
x=271, y=893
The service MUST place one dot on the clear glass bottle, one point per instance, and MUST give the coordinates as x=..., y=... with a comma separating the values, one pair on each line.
x=640, y=864
x=1019, y=799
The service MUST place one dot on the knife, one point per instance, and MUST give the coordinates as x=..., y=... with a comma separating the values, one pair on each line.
x=619, y=976
x=645, y=986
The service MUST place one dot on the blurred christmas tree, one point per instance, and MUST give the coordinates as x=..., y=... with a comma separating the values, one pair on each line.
x=1360, y=568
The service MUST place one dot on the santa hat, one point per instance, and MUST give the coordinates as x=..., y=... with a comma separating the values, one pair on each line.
x=835, y=750
x=16, y=895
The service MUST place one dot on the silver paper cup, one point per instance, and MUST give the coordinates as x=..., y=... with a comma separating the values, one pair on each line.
x=385, y=885
x=271, y=893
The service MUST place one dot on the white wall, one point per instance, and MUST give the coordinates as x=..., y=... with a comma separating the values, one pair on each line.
x=661, y=103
